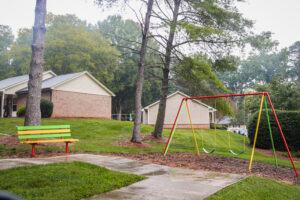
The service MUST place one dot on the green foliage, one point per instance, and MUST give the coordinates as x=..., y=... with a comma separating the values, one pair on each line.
x=284, y=96
x=198, y=77
x=21, y=111
x=46, y=108
x=75, y=180
x=290, y=124
x=257, y=69
x=221, y=127
x=6, y=37
x=257, y=188
x=294, y=59
x=126, y=36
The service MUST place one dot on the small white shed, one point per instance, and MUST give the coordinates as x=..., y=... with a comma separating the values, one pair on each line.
x=202, y=114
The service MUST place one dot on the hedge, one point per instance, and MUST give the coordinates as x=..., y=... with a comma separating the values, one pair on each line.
x=46, y=108
x=21, y=111
x=290, y=124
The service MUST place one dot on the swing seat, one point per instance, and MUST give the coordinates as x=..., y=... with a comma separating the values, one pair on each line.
x=236, y=154
x=208, y=152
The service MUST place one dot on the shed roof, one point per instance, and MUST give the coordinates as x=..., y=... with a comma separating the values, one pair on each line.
x=53, y=82
x=9, y=82
x=185, y=95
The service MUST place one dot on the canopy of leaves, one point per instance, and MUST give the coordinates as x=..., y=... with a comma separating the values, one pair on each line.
x=196, y=76
x=6, y=39
x=126, y=37
x=284, y=96
x=71, y=46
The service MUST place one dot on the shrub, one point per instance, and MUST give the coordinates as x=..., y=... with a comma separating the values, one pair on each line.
x=21, y=111
x=290, y=124
x=46, y=108
x=221, y=127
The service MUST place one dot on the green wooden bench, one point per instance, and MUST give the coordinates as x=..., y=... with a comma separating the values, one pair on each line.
x=45, y=134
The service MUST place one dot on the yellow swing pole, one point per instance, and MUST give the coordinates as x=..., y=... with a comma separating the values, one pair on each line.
x=256, y=131
x=188, y=109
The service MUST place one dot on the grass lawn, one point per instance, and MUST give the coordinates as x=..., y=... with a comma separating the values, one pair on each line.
x=258, y=188
x=97, y=135
x=75, y=180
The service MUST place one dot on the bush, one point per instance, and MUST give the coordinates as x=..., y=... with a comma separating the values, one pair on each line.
x=46, y=108
x=21, y=111
x=290, y=124
x=221, y=127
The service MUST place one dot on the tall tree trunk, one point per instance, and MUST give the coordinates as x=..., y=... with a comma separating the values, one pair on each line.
x=119, y=110
x=140, y=78
x=33, y=112
x=160, y=120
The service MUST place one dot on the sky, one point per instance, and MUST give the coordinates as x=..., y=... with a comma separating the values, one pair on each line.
x=278, y=16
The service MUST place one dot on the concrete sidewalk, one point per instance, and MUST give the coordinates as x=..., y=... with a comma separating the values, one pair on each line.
x=163, y=182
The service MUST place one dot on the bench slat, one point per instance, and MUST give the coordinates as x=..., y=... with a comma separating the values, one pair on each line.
x=43, y=136
x=47, y=141
x=24, y=128
x=44, y=131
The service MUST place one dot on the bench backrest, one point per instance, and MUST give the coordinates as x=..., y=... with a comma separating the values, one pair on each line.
x=32, y=132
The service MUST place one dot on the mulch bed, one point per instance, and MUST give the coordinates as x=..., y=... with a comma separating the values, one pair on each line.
x=131, y=144
x=144, y=137
x=218, y=164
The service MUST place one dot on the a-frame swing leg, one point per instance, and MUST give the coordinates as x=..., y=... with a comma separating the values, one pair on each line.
x=256, y=131
x=192, y=126
x=287, y=148
x=174, y=127
x=271, y=136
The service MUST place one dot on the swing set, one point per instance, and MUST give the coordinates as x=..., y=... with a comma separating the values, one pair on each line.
x=263, y=101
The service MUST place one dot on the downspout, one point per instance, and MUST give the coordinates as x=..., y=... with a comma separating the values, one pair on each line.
x=2, y=103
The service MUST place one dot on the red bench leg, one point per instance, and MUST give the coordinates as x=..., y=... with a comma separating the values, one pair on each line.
x=67, y=147
x=32, y=149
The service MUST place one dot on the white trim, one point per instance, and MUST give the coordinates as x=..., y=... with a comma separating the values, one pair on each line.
x=181, y=93
x=91, y=76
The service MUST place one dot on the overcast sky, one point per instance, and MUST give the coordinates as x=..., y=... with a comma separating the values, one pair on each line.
x=278, y=16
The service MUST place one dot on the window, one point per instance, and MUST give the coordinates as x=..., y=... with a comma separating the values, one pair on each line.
x=14, y=104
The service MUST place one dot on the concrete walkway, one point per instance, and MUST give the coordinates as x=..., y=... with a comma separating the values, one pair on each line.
x=163, y=182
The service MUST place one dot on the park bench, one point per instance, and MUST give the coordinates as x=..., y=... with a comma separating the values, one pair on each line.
x=45, y=134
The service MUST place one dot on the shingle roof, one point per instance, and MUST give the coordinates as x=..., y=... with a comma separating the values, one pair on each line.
x=6, y=83
x=51, y=82
x=9, y=82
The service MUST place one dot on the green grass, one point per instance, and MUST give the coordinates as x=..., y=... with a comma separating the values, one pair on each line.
x=75, y=180
x=257, y=188
x=97, y=135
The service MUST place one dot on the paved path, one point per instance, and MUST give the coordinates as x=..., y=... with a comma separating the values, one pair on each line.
x=163, y=182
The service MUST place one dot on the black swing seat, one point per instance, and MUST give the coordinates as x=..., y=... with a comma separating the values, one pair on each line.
x=208, y=152
x=236, y=154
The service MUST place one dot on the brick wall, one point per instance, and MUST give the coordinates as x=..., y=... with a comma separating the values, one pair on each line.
x=21, y=100
x=73, y=104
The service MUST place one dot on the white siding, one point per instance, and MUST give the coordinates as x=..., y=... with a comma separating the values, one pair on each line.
x=199, y=113
x=83, y=84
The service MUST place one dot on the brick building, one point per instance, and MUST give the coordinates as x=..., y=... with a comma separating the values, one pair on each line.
x=74, y=95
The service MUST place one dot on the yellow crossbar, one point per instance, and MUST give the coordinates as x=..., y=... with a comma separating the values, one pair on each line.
x=48, y=141
x=44, y=131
